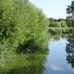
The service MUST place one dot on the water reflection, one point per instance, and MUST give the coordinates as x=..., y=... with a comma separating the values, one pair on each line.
x=70, y=52
x=60, y=52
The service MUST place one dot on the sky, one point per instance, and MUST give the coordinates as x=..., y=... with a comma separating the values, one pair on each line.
x=52, y=8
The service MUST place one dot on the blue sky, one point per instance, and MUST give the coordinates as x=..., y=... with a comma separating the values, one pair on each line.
x=52, y=8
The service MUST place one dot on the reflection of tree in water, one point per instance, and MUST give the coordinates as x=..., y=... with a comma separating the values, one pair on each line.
x=70, y=51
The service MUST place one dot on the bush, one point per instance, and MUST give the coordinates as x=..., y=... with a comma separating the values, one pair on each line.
x=20, y=22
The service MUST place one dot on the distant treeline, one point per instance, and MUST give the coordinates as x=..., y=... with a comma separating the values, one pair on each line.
x=60, y=26
x=57, y=22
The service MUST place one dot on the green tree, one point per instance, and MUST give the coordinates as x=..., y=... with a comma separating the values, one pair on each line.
x=21, y=22
x=70, y=18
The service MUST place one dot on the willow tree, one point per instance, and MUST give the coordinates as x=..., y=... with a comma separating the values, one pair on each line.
x=20, y=21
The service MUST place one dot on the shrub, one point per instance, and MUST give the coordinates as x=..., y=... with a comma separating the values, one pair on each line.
x=21, y=21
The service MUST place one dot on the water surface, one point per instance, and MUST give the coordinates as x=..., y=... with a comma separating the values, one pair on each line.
x=56, y=62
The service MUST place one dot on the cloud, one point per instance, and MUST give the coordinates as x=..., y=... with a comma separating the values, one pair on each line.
x=56, y=67
x=72, y=70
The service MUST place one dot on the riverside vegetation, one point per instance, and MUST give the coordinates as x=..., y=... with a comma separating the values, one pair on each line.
x=24, y=36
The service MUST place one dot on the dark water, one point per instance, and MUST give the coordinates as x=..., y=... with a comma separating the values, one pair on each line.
x=57, y=61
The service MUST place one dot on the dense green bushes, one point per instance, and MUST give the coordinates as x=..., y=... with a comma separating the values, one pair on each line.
x=20, y=22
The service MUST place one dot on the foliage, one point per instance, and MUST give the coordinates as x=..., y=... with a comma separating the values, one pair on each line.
x=20, y=23
x=57, y=26
x=70, y=18
x=57, y=22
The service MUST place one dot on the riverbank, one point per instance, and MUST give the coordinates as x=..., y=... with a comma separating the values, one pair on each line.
x=25, y=64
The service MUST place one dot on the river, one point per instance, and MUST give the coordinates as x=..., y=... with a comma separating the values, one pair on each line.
x=56, y=62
